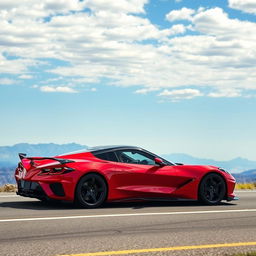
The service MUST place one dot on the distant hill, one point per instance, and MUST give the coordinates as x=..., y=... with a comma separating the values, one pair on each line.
x=246, y=176
x=243, y=169
x=7, y=174
x=9, y=154
x=250, y=172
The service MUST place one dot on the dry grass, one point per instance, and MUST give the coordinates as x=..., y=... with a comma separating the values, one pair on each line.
x=8, y=188
x=246, y=186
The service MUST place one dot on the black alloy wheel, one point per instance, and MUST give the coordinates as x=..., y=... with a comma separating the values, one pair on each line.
x=212, y=189
x=91, y=191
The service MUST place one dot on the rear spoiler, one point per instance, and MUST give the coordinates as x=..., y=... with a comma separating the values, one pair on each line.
x=60, y=160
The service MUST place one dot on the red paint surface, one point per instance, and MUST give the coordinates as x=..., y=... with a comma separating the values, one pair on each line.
x=125, y=181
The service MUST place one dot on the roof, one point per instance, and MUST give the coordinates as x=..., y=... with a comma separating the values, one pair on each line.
x=110, y=147
x=101, y=148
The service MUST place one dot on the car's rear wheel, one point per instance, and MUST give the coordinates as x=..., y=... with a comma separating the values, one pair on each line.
x=91, y=191
x=212, y=189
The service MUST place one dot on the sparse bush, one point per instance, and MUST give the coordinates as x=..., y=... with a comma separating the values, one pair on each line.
x=8, y=188
x=249, y=186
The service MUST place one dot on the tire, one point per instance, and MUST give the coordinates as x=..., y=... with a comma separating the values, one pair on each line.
x=91, y=191
x=212, y=189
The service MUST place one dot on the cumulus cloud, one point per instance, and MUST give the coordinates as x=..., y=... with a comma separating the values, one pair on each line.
x=24, y=76
x=182, y=14
x=64, y=89
x=177, y=29
x=216, y=22
x=124, y=6
x=17, y=65
x=106, y=40
x=180, y=94
x=226, y=93
x=243, y=5
x=146, y=90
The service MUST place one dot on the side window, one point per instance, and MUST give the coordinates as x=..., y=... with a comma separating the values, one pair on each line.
x=108, y=156
x=135, y=157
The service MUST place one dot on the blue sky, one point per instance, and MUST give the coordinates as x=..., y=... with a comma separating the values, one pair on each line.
x=170, y=76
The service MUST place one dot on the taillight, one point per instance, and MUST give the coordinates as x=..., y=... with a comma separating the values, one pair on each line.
x=56, y=170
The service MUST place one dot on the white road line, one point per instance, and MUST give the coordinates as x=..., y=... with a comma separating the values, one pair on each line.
x=125, y=215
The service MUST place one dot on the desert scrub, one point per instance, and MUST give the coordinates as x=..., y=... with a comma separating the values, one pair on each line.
x=246, y=185
x=8, y=188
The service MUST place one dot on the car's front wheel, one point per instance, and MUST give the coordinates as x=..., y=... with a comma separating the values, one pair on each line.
x=91, y=191
x=212, y=189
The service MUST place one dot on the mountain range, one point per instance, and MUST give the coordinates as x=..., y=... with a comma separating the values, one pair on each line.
x=9, y=154
x=243, y=169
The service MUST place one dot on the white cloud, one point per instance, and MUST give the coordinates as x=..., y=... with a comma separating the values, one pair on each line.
x=216, y=22
x=124, y=6
x=7, y=81
x=243, y=5
x=85, y=80
x=24, y=76
x=30, y=9
x=15, y=66
x=146, y=90
x=180, y=94
x=64, y=89
x=226, y=93
x=182, y=14
x=110, y=42
x=177, y=29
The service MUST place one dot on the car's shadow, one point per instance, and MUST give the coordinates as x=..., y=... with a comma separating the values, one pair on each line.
x=57, y=205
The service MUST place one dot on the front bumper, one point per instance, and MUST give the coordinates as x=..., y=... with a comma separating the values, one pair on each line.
x=232, y=198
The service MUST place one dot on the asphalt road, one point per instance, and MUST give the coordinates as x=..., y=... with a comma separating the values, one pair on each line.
x=29, y=227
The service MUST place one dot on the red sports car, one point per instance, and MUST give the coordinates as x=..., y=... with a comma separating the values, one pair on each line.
x=114, y=173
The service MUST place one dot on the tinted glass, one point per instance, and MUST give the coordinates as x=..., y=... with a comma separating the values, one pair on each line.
x=109, y=156
x=135, y=157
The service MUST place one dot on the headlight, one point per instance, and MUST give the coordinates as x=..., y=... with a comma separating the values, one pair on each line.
x=224, y=171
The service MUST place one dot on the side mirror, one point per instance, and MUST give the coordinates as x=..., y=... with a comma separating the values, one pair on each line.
x=159, y=161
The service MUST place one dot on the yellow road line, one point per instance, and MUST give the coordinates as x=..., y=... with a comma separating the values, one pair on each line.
x=177, y=248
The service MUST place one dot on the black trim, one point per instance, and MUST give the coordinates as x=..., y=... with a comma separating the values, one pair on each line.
x=122, y=148
x=231, y=198
x=30, y=189
x=60, y=160
x=57, y=189
x=22, y=155
x=185, y=183
x=116, y=148
x=156, y=199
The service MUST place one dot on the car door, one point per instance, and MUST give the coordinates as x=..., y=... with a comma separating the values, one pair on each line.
x=139, y=176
